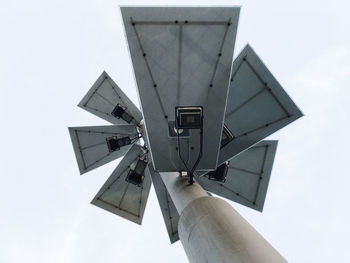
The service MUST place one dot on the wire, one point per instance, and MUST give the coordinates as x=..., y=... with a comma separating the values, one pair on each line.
x=191, y=172
x=178, y=147
x=199, y=156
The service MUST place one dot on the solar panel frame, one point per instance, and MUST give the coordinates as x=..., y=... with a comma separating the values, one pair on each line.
x=166, y=204
x=257, y=105
x=103, y=97
x=121, y=197
x=248, y=176
x=90, y=145
x=151, y=32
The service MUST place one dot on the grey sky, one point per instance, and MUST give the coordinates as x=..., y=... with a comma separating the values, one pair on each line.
x=51, y=52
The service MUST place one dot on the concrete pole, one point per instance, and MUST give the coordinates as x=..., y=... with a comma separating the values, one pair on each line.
x=211, y=230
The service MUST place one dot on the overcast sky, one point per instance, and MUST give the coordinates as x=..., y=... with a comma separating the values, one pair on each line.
x=51, y=52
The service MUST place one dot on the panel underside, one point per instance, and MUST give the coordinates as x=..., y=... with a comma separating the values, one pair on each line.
x=90, y=146
x=121, y=197
x=169, y=212
x=257, y=105
x=181, y=56
x=247, y=177
x=104, y=96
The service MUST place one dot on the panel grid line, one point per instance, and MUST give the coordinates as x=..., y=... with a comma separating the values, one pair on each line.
x=104, y=98
x=244, y=170
x=122, y=199
x=148, y=68
x=79, y=145
x=220, y=54
x=179, y=67
x=89, y=98
x=101, y=132
x=91, y=146
x=244, y=103
x=182, y=23
x=116, y=93
x=139, y=210
x=116, y=179
x=261, y=127
x=262, y=81
x=168, y=204
x=98, y=160
x=86, y=106
x=262, y=171
x=236, y=193
x=113, y=205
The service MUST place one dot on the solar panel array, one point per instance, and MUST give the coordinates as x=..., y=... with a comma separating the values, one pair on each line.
x=183, y=56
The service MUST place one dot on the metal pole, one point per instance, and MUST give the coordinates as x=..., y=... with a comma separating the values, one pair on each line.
x=211, y=230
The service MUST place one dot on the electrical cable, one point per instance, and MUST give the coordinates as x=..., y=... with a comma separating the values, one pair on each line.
x=178, y=147
x=191, y=172
x=199, y=156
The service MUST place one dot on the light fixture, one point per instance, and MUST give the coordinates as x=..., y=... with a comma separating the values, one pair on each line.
x=120, y=112
x=189, y=117
x=114, y=143
x=226, y=137
x=220, y=173
x=136, y=175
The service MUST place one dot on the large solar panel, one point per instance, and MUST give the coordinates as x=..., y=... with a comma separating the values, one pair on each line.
x=105, y=97
x=247, y=177
x=257, y=105
x=181, y=56
x=169, y=212
x=91, y=147
x=121, y=197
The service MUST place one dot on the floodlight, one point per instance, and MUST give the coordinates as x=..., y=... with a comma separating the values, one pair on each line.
x=114, y=143
x=226, y=137
x=189, y=117
x=120, y=112
x=136, y=175
x=220, y=173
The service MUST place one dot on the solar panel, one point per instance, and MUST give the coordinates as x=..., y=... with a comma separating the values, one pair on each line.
x=247, y=177
x=257, y=105
x=169, y=212
x=121, y=197
x=92, y=144
x=181, y=56
x=107, y=101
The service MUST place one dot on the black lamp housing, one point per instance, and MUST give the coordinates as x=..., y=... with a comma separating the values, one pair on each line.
x=136, y=175
x=220, y=173
x=120, y=113
x=114, y=143
x=226, y=137
x=189, y=117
